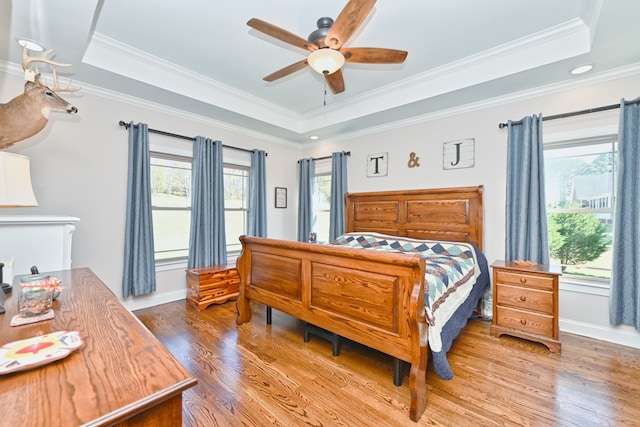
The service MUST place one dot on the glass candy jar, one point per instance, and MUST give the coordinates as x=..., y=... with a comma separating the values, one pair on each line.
x=34, y=298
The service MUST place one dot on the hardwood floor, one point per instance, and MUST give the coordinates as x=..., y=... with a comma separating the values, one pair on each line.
x=257, y=375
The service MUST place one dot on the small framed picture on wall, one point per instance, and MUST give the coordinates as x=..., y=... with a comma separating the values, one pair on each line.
x=281, y=197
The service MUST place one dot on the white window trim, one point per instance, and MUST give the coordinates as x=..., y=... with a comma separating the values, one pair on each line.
x=169, y=265
x=233, y=159
x=590, y=287
x=575, y=283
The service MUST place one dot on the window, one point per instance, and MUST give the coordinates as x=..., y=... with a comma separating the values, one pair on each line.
x=322, y=205
x=236, y=204
x=171, y=205
x=580, y=178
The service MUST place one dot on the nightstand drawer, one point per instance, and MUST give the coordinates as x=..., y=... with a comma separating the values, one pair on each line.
x=520, y=278
x=537, y=324
x=525, y=298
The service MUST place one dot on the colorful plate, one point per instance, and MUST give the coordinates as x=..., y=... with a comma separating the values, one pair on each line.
x=38, y=351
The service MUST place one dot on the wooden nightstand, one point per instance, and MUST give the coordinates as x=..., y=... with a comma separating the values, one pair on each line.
x=525, y=302
x=212, y=285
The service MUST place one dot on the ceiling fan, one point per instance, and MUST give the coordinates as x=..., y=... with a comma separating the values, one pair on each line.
x=326, y=45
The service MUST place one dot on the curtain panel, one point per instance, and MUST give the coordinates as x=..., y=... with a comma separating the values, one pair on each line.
x=624, y=298
x=139, y=277
x=526, y=212
x=258, y=195
x=306, y=176
x=338, y=190
x=207, y=240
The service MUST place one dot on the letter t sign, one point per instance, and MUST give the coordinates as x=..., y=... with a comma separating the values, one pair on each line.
x=377, y=164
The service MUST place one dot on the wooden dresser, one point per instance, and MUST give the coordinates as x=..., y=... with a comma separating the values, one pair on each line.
x=122, y=376
x=525, y=302
x=212, y=285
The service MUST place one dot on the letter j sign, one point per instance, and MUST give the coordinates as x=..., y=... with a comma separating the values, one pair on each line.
x=458, y=154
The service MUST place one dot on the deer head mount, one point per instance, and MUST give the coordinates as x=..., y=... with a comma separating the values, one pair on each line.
x=28, y=113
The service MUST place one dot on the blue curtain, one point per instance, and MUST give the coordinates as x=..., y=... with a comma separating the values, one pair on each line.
x=338, y=190
x=526, y=212
x=306, y=176
x=207, y=240
x=624, y=299
x=258, y=195
x=139, y=276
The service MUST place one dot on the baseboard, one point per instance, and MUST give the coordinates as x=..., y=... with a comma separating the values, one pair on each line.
x=138, y=303
x=622, y=335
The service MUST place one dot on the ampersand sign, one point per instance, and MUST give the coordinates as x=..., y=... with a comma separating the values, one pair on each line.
x=413, y=160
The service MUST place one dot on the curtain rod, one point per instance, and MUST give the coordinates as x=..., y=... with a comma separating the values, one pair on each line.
x=175, y=135
x=576, y=113
x=348, y=153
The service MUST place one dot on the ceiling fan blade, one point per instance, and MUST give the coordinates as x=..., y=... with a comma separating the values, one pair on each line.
x=335, y=81
x=351, y=17
x=286, y=71
x=280, y=34
x=373, y=55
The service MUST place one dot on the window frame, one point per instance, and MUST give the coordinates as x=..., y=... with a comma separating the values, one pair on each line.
x=322, y=169
x=227, y=165
x=177, y=157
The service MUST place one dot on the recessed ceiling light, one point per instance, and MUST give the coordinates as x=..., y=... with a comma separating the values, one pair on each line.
x=581, y=69
x=30, y=44
x=313, y=137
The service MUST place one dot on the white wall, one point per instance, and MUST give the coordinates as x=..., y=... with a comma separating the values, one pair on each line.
x=79, y=169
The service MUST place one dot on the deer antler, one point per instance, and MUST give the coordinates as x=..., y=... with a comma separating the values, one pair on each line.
x=58, y=88
x=27, y=60
x=35, y=76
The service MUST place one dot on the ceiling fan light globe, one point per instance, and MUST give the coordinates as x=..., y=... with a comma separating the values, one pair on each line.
x=326, y=61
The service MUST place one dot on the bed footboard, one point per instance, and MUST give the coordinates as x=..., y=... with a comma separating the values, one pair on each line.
x=374, y=298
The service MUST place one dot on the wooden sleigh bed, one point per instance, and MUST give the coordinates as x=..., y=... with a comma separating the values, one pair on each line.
x=371, y=297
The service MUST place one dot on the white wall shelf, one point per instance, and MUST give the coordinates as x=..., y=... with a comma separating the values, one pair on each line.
x=41, y=240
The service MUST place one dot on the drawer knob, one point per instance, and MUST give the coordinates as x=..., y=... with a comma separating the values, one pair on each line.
x=523, y=321
x=523, y=280
x=523, y=298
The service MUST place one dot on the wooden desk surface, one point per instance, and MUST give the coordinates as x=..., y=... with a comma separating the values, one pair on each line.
x=122, y=374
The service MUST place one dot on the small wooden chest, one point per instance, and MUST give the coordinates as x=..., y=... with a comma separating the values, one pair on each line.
x=212, y=285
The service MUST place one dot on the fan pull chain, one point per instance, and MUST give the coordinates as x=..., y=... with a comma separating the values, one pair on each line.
x=324, y=101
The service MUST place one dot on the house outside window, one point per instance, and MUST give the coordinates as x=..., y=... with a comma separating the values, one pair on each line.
x=171, y=205
x=580, y=183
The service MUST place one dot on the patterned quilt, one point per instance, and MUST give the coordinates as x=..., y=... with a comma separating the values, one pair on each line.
x=451, y=271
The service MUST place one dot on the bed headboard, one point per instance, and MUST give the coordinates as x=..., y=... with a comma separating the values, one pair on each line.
x=453, y=214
